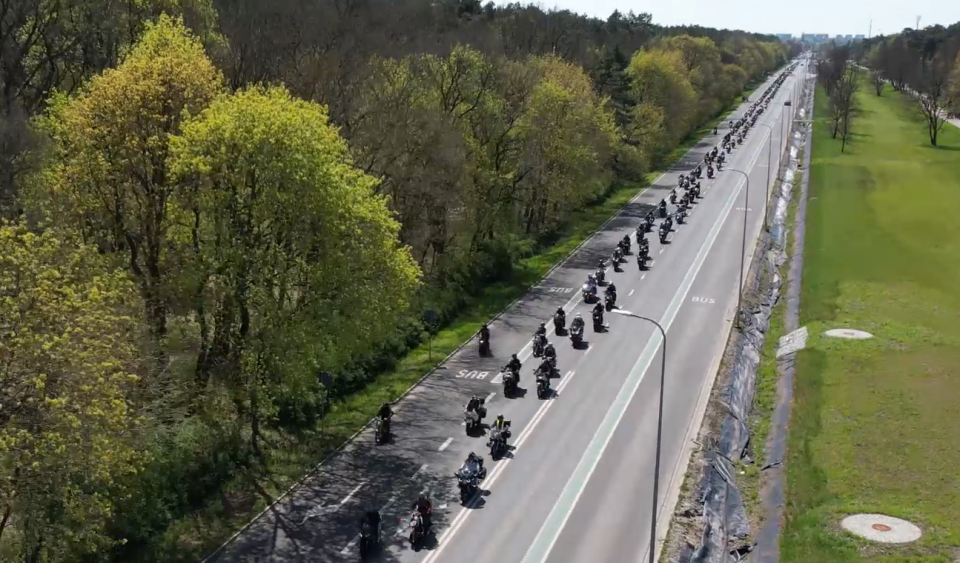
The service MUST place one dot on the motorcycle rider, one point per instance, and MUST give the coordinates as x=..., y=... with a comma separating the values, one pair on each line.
x=577, y=322
x=546, y=368
x=598, y=311
x=425, y=508
x=514, y=364
x=542, y=330
x=561, y=315
x=500, y=425
x=485, y=337
x=550, y=353
x=474, y=404
x=612, y=290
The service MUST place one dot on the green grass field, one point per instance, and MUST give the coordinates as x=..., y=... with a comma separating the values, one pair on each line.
x=874, y=425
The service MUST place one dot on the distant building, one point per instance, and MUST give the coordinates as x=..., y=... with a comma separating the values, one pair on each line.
x=785, y=36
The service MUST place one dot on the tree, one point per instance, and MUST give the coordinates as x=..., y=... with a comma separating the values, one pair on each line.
x=287, y=236
x=933, y=93
x=843, y=103
x=69, y=327
x=50, y=45
x=109, y=175
x=659, y=79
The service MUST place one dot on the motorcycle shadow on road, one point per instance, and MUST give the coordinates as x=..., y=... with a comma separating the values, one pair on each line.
x=518, y=393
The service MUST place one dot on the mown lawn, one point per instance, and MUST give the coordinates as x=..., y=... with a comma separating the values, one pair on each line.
x=875, y=425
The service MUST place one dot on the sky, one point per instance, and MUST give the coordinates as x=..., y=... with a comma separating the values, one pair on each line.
x=783, y=16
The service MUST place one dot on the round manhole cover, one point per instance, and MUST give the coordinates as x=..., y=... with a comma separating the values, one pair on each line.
x=881, y=528
x=848, y=333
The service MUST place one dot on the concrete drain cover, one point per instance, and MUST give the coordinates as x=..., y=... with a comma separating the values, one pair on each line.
x=848, y=333
x=880, y=528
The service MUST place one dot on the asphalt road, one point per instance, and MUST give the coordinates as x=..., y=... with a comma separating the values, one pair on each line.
x=577, y=484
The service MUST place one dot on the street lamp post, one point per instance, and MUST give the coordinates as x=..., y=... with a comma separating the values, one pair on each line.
x=656, y=470
x=743, y=245
x=769, y=165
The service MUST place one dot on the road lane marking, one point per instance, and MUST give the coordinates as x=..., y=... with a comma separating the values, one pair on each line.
x=550, y=530
x=444, y=445
x=419, y=471
x=347, y=498
x=631, y=292
x=589, y=347
x=490, y=397
x=494, y=473
x=643, y=276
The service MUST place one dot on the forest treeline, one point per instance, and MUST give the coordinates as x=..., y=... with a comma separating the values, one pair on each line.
x=207, y=205
x=924, y=62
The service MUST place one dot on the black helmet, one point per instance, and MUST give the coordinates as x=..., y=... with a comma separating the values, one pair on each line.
x=543, y=325
x=514, y=357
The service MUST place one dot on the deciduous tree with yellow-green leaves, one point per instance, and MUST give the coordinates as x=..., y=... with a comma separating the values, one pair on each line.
x=69, y=427
x=109, y=177
x=296, y=261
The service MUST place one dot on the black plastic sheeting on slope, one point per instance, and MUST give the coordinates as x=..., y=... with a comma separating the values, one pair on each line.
x=725, y=524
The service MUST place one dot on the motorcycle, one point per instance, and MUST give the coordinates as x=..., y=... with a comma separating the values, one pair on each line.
x=418, y=529
x=559, y=323
x=382, y=430
x=576, y=335
x=609, y=301
x=589, y=293
x=543, y=386
x=601, y=276
x=642, y=260
x=663, y=234
x=662, y=208
x=681, y=215
x=468, y=481
x=625, y=244
x=510, y=379
x=369, y=534
x=539, y=342
x=673, y=197
x=498, y=444
x=710, y=172
x=617, y=256
x=484, y=346
x=473, y=419
x=648, y=222
x=597, y=321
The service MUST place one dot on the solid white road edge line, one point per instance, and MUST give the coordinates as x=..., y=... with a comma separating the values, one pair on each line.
x=550, y=530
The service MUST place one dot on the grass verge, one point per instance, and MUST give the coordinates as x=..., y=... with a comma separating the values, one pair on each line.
x=291, y=457
x=765, y=395
x=873, y=425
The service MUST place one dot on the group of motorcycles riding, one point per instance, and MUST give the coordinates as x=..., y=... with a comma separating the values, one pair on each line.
x=472, y=472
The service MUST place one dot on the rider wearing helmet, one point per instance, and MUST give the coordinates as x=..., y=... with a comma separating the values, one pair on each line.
x=514, y=363
x=612, y=290
x=549, y=352
x=577, y=322
x=501, y=426
x=542, y=329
